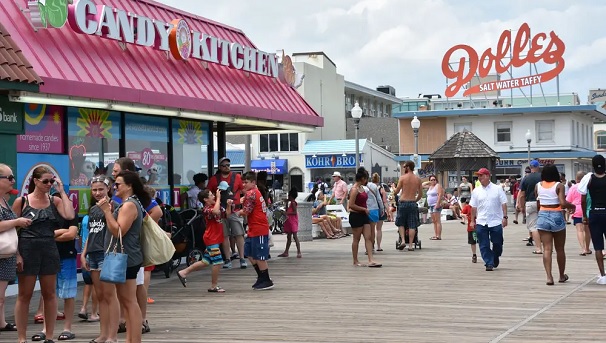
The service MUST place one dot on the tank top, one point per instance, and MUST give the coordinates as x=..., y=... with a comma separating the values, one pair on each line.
x=361, y=199
x=597, y=191
x=465, y=190
x=547, y=196
x=44, y=223
x=132, y=239
x=432, y=196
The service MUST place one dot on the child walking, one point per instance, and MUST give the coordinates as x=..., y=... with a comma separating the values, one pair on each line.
x=213, y=237
x=471, y=231
x=291, y=225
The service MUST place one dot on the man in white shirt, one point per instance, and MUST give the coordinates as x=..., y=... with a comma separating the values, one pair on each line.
x=489, y=217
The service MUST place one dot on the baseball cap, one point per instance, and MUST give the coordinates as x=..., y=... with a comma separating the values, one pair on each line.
x=534, y=164
x=223, y=159
x=223, y=186
x=336, y=174
x=599, y=164
x=482, y=171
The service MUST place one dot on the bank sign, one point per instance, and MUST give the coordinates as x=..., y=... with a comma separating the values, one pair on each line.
x=175, y=37
x=331, y=161
x=523, y=50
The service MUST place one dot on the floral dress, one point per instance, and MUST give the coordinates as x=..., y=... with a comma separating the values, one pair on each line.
x=8, y=266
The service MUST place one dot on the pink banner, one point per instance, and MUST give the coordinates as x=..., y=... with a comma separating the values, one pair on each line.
x=43, y=130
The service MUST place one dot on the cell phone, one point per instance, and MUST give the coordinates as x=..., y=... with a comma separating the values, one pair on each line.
x=30, y=215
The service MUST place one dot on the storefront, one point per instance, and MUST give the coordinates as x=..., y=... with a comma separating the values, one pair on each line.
x=141, y=80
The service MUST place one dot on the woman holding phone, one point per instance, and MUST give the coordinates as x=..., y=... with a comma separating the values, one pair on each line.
x=38, y=253
x=92, y=260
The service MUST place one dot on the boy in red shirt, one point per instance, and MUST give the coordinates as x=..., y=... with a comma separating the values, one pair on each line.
x=213, y=237
x=471, y=231
x=256, y=247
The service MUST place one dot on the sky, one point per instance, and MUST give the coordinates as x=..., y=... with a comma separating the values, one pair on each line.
x=402, y=42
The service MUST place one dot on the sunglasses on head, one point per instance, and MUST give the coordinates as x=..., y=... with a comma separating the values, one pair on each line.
x=46, y=181
x=10, y=178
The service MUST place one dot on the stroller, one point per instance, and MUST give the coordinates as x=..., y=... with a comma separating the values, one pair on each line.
x=402, y=245
x=278, y=218
x=187, y=238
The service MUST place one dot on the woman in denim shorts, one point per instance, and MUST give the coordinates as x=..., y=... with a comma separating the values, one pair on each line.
x=551, y=201
x=92, y=260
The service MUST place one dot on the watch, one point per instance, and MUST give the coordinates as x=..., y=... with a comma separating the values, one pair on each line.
x=505, y=217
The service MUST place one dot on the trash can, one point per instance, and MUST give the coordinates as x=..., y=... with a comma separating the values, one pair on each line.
x=304, y=213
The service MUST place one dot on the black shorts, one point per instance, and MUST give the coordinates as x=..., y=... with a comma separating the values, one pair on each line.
x=40, y=256
x=471, y=237
x=408, y=215
x=357, y=220
x=131, y=272
x=597, y=228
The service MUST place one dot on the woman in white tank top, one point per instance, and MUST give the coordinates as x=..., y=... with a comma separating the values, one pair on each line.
x=551, y=225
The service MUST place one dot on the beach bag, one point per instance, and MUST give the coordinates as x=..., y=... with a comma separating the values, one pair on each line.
x=8, y=238
x=157, y=248
x=114, y=263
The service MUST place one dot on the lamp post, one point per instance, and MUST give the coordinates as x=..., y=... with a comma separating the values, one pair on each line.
x=528, y=139
x=356, y=114
x=416, y=124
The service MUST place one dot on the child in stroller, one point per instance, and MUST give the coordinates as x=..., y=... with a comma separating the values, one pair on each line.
x=400, y=245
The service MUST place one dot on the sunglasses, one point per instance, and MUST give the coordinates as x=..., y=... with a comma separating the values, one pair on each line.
x=225, y=165
x=10, y=178
x=46, y=181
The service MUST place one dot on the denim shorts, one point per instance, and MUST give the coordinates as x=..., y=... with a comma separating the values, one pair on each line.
x=552, y=221
x=435, y=209
x=95, y=260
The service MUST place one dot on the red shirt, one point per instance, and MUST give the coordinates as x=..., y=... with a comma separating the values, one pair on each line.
x=467, y=212
x=236, y=187
x=515, y=189
x=254, y=207
x=214, y=227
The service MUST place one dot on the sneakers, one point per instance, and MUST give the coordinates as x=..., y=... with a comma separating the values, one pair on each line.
x=601, y=280
x=227, y=265
x=264, y=285
x=489, y=268
x=243, y=264
x=145, y=327
x=496, y=261
x=474, y=259
x=234, y=256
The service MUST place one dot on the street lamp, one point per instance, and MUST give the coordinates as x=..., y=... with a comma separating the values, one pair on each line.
x=528, y=139
x=356, y=114
x=416, y=124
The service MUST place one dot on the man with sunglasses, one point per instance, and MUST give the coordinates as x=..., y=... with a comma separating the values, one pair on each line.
x=233, y=225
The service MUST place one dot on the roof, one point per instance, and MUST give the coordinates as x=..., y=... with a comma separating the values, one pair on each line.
x=88, y=66
x=464, y=145
x=332, y=146
x=314, y=53
x=13, y=64
x=361, y=89
x=595, y=111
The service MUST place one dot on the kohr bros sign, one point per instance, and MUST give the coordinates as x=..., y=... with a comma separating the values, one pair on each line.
x=523, y=50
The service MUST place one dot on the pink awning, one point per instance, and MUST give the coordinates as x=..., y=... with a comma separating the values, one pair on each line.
x=72, y=64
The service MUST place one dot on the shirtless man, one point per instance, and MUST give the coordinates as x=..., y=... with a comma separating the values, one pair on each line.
x=410, y=191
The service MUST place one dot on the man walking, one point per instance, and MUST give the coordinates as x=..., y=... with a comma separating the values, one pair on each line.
x=527, y=199
x=233, y=225
x=410, y=191
x=339, y=190
x=489, y=217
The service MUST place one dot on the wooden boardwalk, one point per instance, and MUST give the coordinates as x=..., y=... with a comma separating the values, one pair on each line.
x=431, y=295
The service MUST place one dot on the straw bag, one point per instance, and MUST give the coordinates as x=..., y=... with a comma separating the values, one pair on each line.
x=157, y=248
x=114, y=263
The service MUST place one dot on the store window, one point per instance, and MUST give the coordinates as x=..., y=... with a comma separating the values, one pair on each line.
x=460, y=127
x=147, y=144
x=545, y=131
x=279, y=142
x=503, y=132
x=190, y=144
x=43, y=129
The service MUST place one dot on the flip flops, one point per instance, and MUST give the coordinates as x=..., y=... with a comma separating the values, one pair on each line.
x=82, y=315
x=66, y=336
x=375, y=265
x=9, y=327
x=39, y=319
x=40, y=336
x=564, y=280
x=434, y=238
x=216, y=289
x=182, y=279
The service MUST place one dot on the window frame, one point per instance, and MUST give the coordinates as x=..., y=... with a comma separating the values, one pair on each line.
x=504, y=125
x=291, y=137
x=538, y=125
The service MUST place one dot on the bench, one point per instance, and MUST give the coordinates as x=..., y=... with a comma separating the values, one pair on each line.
x=339, y=211
x=446, y=212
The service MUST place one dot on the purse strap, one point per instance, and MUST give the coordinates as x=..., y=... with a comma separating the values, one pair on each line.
x=116, y=245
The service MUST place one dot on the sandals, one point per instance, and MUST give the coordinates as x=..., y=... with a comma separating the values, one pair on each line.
x=563, y=280
x=39, y=319
x=216, y=289
x=375, y=265
x=182, y=279
x=83, y=315
x=40, y=336
x=66, y=336
x=9, y=327
x=434, y=238
x=537, y=252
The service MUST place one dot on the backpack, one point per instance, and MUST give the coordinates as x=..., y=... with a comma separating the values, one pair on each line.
x=229, y=192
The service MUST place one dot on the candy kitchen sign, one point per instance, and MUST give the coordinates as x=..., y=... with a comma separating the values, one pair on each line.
x=541, y=47
x=86, y=17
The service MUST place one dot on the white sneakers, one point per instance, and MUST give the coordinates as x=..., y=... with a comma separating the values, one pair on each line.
x=601, y=280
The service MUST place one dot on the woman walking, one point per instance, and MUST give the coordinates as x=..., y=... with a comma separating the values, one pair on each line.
x=92, y=260
x=465, y=188
x=550, y=221
x=126, y=221
x=376, y=207
x=583, y=234
x=38, y=254
x=435, y=194
x=358, y=219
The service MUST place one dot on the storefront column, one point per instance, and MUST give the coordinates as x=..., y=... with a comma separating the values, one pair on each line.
x=210, y=151
x=221, y=141
x=247, y=153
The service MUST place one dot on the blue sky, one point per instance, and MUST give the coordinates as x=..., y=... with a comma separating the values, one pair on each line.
x=402, y=42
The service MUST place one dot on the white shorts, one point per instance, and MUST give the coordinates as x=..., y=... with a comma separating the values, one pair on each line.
x=140, y=277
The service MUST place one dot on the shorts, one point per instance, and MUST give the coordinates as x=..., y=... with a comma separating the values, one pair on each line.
x=140, y=276
x=597, y=228
x=373, y=216
x=233, y=226
x=383, y=217
x=67, y=279
x=40, y=256
x=95, y=260
x=408, y=215
x=8, y=268
x=358, y=220
x=552, y=221
x=434, y=209
x=577, y=220
x=472, y=238
x=531, y=215
x=133, y=273
x=257, y=248
x=212, y=255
